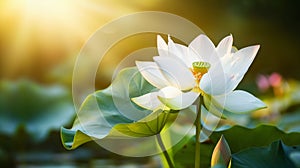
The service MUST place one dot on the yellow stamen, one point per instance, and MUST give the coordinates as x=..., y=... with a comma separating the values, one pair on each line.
x=201, y=67
x=198, y=70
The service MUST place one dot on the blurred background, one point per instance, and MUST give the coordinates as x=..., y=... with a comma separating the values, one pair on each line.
x=40, y=40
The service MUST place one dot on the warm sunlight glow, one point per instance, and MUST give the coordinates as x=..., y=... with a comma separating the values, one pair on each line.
x=45, y=31
x=46, y=15
x=48, y=9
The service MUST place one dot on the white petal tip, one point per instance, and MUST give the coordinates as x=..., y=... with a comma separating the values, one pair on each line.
x=148, y=101
x=170, y=41
x=260, y=104
x=229, y=36
x=159, y=37
x=255, y=48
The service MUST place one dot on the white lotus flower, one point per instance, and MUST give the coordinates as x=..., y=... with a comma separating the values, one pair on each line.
x=183, y=73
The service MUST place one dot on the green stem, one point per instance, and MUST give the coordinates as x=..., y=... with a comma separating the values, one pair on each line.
x=198, y=129
x=165, y=153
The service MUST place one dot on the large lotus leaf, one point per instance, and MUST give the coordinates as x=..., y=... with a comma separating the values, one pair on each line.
x=148, y=126
x=37, y=108
x=113, y=108
x=275, y=155
x=238, y=138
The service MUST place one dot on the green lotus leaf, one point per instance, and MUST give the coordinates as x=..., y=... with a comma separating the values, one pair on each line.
x=238, y=138
x=275, y=155
x=111, y=113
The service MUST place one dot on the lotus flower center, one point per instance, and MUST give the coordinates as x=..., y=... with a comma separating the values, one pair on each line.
x=198, y=70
